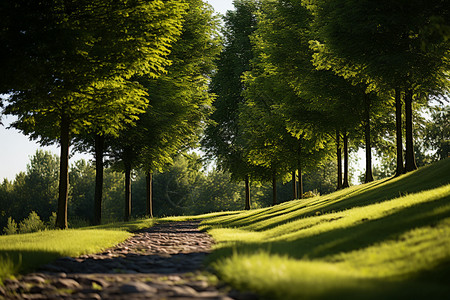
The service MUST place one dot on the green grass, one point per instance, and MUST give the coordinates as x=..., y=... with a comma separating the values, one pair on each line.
x=25, y=252
x=387, y=239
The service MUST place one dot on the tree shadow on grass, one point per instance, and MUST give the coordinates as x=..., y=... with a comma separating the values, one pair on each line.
x=359, y=236
x=426, y=178
x=428, y=283
x=28, y=260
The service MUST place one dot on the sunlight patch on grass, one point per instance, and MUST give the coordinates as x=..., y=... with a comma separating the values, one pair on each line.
x=315, y=225
x=278, y=277
x=72, y=242
x=415, y=251
x=26, y=252
x=383, y=268
x=199, y=217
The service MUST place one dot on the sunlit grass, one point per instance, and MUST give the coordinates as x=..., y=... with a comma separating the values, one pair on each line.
x=198, y=217
x=386, y=239
x=25, y=252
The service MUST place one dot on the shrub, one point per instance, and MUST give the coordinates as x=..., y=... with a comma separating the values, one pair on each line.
x=31, y=224
x=11, y=227
x=51, y=224
x=310, y=194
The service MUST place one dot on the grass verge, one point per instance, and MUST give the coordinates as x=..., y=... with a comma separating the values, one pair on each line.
x=26, y=252
x=388, y=239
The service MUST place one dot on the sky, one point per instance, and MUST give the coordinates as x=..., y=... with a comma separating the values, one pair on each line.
x=16, y=149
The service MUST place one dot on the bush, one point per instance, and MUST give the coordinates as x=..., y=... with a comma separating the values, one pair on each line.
x=31, y=224
x=51, y=224
x=310, y=194
x=11, y=227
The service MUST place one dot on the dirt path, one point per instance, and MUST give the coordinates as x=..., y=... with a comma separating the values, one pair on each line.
x=162, y=262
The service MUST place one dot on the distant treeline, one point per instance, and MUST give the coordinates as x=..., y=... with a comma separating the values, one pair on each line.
x=185, y=189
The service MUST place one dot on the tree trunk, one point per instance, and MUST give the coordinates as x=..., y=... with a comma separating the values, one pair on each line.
x=345, y=183
x=149, y=179
x=127, y=191
x=339, y=160
x=98, y=195
x=398, y=125
x=274, y=189
x=294, y=185
x=300, y=182
x=410, y=161
x=61, y=216
x=369, y=174
x=247, y=192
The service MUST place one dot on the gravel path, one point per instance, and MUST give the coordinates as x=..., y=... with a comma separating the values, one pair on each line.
x=162, y=262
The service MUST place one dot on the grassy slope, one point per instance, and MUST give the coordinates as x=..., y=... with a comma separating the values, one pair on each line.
x=388, y=239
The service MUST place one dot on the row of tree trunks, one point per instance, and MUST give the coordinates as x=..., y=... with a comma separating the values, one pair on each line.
x=297, y=184
x=410, y=164
x=410, y=161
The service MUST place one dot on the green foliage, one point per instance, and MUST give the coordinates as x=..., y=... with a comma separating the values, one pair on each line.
x=83, y=79
x=223, y=139
x=437, y=132
x=32, y=223
x=178, y=101
x=81, y=193
x=385, y=44
x=11, y=227
x=95, y=59
x=36, y=190
x=51, y=224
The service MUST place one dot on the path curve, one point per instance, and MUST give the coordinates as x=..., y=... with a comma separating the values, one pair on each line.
x=161, y=262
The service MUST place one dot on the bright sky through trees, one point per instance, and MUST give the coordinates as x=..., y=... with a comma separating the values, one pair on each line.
x=17, y=149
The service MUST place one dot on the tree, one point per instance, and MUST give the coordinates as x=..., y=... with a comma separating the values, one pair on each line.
x=389, y=45
x=81, y=194
x=79, y=59
x=178, y=101
x=437, y=132
x=325, y=106
x=223, y=139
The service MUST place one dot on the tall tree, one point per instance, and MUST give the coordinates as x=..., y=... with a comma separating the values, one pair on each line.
x=390, y=45
x=80, y=57
x=179, y=100
x=223, y=139
x=324, y=102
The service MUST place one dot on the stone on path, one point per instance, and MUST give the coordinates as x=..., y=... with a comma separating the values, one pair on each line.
x=161, y=262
